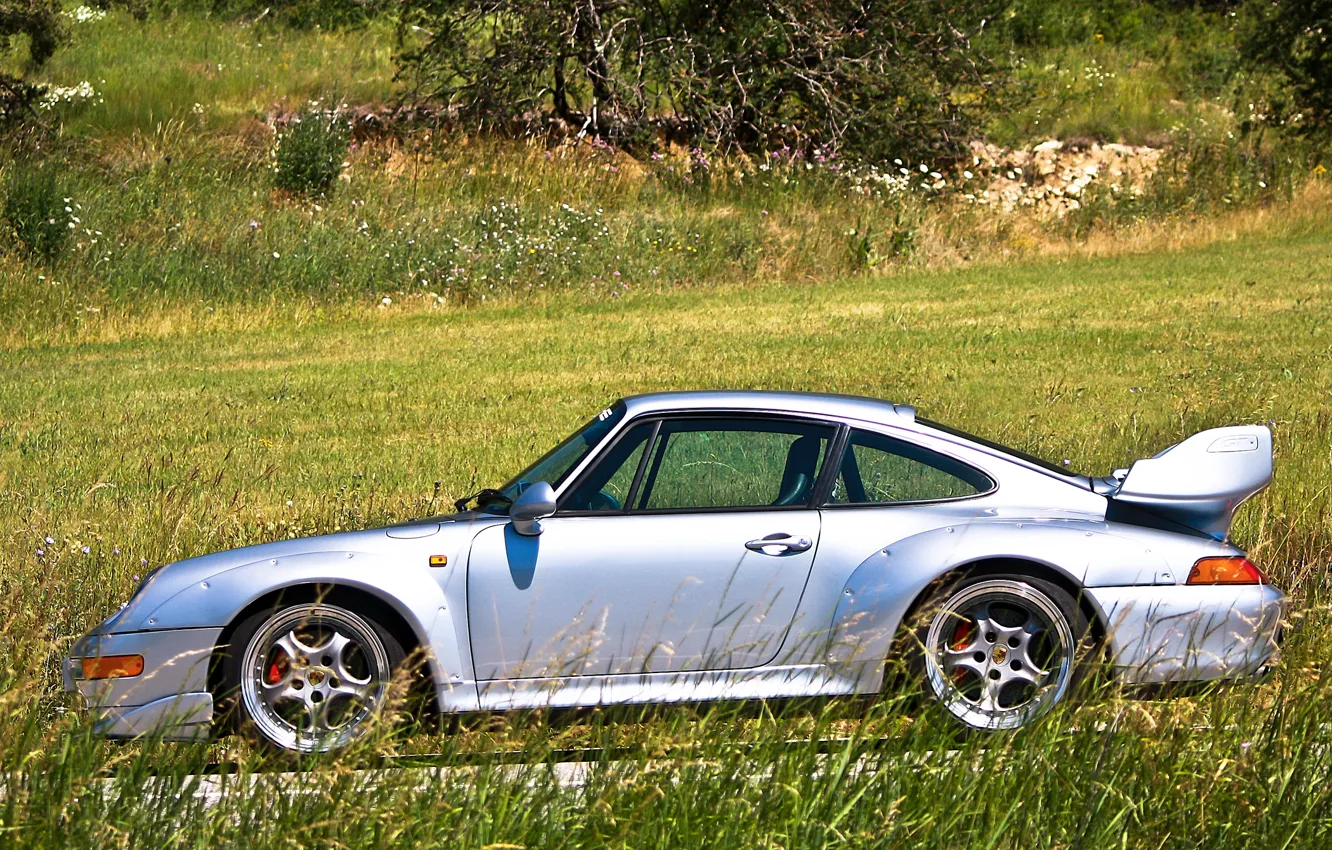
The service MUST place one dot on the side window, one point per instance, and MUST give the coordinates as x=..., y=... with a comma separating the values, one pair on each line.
x=733, y=463
x=878, y=469
x=606, y=487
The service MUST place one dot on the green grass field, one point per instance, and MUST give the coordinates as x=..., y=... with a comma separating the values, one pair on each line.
x=256, y=423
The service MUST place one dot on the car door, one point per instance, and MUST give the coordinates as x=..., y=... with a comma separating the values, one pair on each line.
x=685, y=547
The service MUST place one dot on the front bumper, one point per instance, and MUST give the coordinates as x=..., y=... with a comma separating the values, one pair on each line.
x=169, y=699
x=1190, y=633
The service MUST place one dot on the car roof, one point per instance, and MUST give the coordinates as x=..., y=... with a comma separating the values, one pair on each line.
x=824, y=404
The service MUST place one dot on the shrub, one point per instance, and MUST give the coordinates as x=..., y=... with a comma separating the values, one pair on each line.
x=833, y=74
x=35, y=24
x=1290, y=39
x=311, y=152
x=38, y=212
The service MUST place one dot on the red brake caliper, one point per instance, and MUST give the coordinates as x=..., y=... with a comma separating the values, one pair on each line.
x=275, y=671
x=961, y=636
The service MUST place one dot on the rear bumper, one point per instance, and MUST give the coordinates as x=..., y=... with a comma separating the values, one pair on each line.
x=169, y=699
x=1190, y=633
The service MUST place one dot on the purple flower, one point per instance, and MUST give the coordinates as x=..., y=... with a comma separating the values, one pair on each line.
x=143, y=562
x=86, y=550
x=41, y=553
x=115, y=550
x=254, y=225
x=49, y=541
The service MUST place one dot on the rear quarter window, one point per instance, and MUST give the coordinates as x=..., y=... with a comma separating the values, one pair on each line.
x=877, y=470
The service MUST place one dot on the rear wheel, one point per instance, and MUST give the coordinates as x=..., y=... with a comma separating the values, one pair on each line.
x=998, y=652
x=310, y=677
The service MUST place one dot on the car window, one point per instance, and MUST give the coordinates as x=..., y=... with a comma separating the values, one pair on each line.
x=606, y=486
x=877, y=469
x=710, y=463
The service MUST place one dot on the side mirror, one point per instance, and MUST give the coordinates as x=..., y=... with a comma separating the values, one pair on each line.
x=536, y=503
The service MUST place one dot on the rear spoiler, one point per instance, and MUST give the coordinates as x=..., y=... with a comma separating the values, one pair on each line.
x=1198, y=483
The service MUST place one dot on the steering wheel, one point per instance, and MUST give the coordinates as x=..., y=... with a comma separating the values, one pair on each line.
x=604, y=501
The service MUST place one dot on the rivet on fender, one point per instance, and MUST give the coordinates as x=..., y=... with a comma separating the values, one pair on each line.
x=439, y=560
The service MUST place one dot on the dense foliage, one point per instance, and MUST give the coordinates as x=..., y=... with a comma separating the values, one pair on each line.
x=1290, y=38
x=35, y=24
x=877, y=79
x=37, y=212
x=311, y=152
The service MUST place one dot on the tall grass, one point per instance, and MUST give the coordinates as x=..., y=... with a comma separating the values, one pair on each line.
x=272, y=423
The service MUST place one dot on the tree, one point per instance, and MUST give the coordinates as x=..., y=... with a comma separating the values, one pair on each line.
x=878, y=78
x=39, y=20
x=1293, y=38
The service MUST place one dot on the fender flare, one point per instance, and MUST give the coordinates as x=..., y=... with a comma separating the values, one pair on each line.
x=883, y=588
x=410, y=592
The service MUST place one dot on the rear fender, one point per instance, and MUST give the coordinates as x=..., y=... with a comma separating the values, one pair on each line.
x=883, y=588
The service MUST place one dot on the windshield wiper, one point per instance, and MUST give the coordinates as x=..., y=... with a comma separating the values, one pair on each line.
x=483, y=497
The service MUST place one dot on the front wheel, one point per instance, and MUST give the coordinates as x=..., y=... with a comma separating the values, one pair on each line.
x=1000, y=652
x=310, y=677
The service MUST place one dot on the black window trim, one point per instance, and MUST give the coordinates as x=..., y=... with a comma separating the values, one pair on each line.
x=824, y=504
x=817, y=493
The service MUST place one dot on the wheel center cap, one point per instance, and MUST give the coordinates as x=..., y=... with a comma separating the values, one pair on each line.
x=315, y=677
x=999, y=654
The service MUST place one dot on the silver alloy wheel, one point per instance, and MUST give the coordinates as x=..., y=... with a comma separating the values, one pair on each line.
x=999, y=654
x=313, y=676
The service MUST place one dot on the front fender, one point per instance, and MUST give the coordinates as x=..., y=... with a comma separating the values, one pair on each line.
x=409, y=591
x=882, y=589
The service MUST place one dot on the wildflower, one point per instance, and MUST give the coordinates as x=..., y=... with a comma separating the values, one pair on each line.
x=41, y=553
x=143, y=562
x=115, y=550
x=49, y=541
x=276, y=255
x=85, y=550
x=254, y=225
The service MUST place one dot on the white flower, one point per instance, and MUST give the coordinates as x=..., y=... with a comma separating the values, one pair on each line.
x=86, y=14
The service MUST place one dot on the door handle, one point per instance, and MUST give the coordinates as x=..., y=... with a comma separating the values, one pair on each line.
x=780, y=541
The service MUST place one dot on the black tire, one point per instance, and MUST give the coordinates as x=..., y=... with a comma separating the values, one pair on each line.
x=307, y=676
x=998, y=651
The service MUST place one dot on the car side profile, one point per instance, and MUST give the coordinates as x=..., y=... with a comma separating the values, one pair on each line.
x=715, y=545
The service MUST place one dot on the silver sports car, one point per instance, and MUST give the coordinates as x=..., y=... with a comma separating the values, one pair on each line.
x=715, y=545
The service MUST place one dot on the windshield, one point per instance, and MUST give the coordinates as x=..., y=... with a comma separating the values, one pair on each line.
x=555, y=465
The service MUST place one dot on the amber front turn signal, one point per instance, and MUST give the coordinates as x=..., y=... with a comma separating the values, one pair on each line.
x=1225, y=571
x=113, y=667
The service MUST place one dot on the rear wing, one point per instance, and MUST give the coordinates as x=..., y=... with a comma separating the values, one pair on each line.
x=1200, y=482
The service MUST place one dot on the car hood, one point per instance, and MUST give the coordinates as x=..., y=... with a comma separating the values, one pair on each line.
x=167, y=581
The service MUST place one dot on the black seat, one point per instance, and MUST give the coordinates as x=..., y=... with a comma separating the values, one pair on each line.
x=802, y=462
